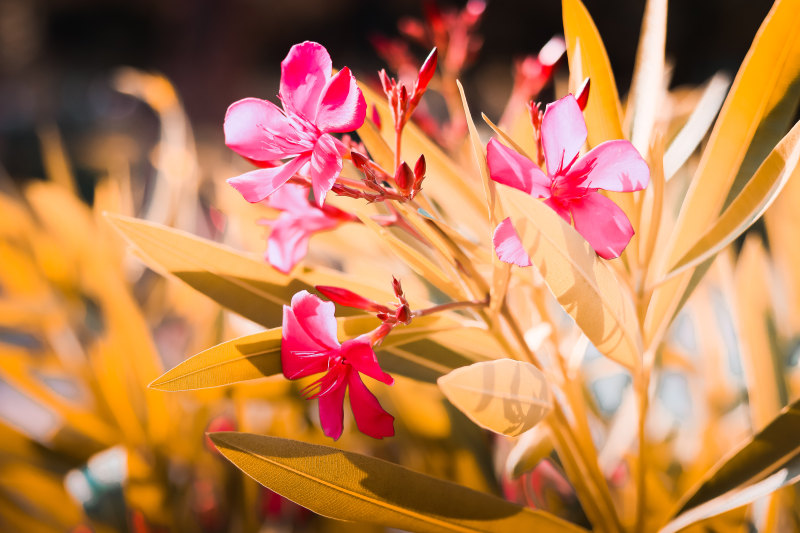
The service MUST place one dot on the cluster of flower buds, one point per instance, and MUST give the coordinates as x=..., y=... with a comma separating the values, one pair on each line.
x=532, y=73
x=407, y=182
x=401, y=102
x=389, y=315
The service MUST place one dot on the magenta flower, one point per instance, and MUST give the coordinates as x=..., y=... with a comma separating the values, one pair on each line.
x=310, y=346
x=314, y=105
x=287, y=244
x=571, y=184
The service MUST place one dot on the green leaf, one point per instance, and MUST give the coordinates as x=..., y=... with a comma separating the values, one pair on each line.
x=349, y=486
x=764, y=463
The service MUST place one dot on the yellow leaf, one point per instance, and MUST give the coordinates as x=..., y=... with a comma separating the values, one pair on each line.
x=754, y=199
x=603, y=110
x=771, y=65
x=259, y=355
x=415, y=259
x=378, y=150
x=647, y=87
x=349, y=486
x=582, y=283
x=235, y=280
x=504, y=396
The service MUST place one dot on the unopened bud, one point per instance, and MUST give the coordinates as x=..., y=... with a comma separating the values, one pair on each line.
x=403, y=95
x=348, y=298
x=404, y=177
x=359, y=159
x=387, y=88
x=398, y=289
x=403, y=315
x=583, y=94
x=419, y=167
x=426, y=72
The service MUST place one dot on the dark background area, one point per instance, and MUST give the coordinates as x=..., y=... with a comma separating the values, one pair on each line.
x=56, y=56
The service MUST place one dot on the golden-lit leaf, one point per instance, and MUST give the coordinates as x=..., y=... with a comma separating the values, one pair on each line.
x=415, y=259
x=259, y=355
x=378, y=150
x=603, y=110
x=648, y=74
x=700, y=121
x=240, y=282
x=765, y=462
x=754, y=199
x=762, y=368
x=533, y=446
x=349, y=486
x=582, y=283
x=504, y=396
x=771, y=65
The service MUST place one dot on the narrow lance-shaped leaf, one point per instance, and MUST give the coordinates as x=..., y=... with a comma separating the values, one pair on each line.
x=504, y=396
x=259, y=355
x=754, y=199
x=235, y=280
x=764, y=463
x=772, y=62
x=349, y=486
x=582, y=283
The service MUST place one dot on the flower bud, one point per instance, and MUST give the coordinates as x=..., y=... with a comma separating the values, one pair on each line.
x=419, y=168
x=583, y=94
x=348, y=298
x=404, y=177
x=359, y=160
x=426, y=72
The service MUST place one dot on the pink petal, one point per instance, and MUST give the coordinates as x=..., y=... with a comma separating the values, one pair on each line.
x=331, y=411
x=287, y=244
x=563, y=133
x=291, y=197
x=326, y=164
x=304, y=74
x=317, y=318
x=508, y=245
x=301, y=355
x=258, y=184
x=613, y=166
x=601, y=222
x=288, y=241
x=342, y=107
x=510, y=168
x=370, y=417
x=252, y=125
x=359, y=354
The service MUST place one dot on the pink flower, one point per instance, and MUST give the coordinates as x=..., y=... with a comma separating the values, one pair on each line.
x=314, y=105
x=287, y=244
x=571, y=184
x=310, y=347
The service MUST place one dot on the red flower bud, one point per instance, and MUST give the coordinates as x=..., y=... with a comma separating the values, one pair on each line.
x=350, y=299
x=403, y=315
x=426, y=72
x=387, y=87
x=404, y=177
x=583, y=94
x=403, y=96
x=419, y=168
x=398, y=289
x=376, y=118
x=359, y=160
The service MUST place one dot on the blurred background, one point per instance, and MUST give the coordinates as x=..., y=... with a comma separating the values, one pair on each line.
x=121, y=103
x=58, y=57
